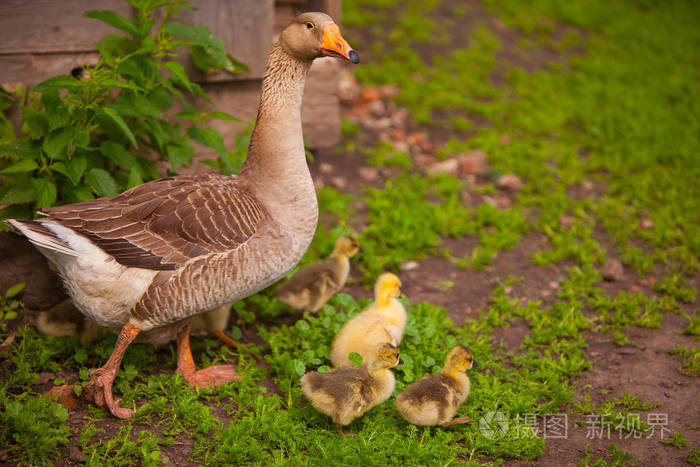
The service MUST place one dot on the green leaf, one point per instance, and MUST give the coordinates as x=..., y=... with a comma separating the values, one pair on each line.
x=223, y=116
x=135, y=178
x=161, y=97
x=355, y=358
x=114, y=116
x=119, y=155
x=36, y=123
x=15, y=290
x=114, y=19
x=56, y=143
x=102, y=182
x=192, y=115
x=59, y=412
x=299, y=367
x=179, y=154
x=57, y=114
x=10, y=315
x=73, y=168
x=76, y=193
x=179, y=72
x=112, y=46
x=45, y=192
x=58, y=82
x=19, y=191
x=208, y=137
x=22, y=148
x=25, y=165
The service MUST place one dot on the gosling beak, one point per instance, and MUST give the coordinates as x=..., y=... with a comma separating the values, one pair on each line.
x=474, y=364
x=400, y=294
x=334, y=45
x=400, y=362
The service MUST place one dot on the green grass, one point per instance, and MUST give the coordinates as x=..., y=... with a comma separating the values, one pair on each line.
x=618, y=112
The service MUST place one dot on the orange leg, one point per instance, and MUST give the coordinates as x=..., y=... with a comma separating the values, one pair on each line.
x=99, y=389
x=339, y=427
x=227, y=340
x=457, y=421
x=213, y=376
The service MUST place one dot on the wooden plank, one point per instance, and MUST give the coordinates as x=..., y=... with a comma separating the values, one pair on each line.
x=33, y=69
x=245, y=26
x=52, y=26
x=32, y=31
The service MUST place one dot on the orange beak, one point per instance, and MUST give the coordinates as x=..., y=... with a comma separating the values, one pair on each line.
x=335, y=46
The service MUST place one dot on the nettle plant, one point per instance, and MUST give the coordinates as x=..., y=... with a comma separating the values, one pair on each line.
x=102, y=132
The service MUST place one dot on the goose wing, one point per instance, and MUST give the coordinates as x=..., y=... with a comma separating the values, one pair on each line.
x=162, y=224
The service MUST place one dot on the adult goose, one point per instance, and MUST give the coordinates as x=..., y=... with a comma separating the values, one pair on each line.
x=149, y=259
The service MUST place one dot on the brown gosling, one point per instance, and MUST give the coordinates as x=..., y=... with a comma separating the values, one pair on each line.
x=346, y=393
x=434, y=399
x=311, y=287
x=383, y=321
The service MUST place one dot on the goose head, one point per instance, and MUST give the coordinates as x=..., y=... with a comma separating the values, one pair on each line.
x=388, y=286
x=314, y=35
x=345, y=247
x=459, y=360
x=385, y=356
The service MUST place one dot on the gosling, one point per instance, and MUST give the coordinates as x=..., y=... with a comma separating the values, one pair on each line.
x=383, y=321
x=434, y=399
x=346, y=393
x=311, y=287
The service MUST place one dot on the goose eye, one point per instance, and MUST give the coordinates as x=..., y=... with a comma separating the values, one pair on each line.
x=309, y=25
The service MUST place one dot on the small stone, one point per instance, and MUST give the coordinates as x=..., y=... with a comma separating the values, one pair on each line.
x=64, y=395
x=473, y=162
x=424, y=160
x=340, y=182
x=382, y=124
x=415, y=138
x=401, y=146
x=588, y=185
x=348, y=88
x=566, y=221
x=613, y=270
x=466, y=198
x=627, y=351
x=502, y=202
x=325, y=168
x=389, y=91
x=427, y=146
x=510, y=182
x=384, y=136
x=400, y=117
x=398, y=134
x=409, y=266
x=545, y=293
x=368, y=174
x=448, y=166
x=554, y=285
x=508, y=289
x=44, y=377
x=369, y=94
x=646, y=224
x=504, y=139
x=377, y=108
x=75, y=454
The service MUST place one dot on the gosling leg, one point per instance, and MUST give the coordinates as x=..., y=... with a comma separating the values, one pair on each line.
x=457, y=421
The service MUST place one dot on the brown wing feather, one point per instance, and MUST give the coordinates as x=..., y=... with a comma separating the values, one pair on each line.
x=162, y=224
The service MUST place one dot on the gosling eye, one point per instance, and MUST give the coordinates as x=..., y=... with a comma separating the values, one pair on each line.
x=309, y=25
